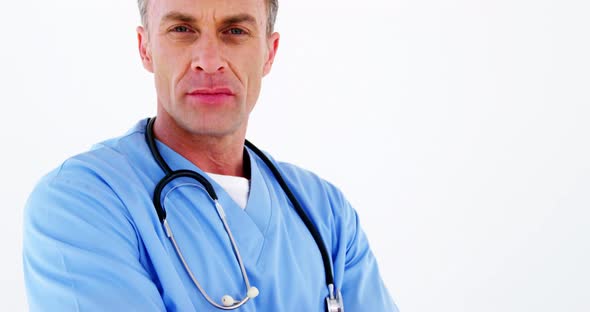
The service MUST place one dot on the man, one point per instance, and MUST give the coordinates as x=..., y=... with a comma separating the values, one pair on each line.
x=94, y=242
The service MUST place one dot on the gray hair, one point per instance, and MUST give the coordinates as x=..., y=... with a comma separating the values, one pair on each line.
x=272, y=7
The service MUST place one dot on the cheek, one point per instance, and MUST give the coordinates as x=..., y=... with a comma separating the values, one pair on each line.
x=254, y=85
x=169, y=66
x=254, y=68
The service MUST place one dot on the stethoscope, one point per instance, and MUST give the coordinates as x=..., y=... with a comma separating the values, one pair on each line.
x=334, y=302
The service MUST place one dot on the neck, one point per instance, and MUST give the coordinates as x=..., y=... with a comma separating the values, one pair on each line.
x=215, y=154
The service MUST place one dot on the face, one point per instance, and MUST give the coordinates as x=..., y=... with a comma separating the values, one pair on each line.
x=208, y=58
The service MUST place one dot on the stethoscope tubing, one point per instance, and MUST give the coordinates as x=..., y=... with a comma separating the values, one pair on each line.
x=194, y=279
x=310, y=226
x=170, y=175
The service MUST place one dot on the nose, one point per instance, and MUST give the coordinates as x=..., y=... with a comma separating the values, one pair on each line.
x=208, y=56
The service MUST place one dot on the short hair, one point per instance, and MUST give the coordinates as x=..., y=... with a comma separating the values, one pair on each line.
x=272, y=7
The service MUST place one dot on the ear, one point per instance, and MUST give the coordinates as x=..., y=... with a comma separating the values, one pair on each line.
x=273, y=46
x=144, y=49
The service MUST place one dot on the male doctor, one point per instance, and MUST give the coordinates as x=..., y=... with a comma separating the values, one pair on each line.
x=93, y=240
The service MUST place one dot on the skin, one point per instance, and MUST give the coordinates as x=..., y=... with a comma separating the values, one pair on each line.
x=208, y=58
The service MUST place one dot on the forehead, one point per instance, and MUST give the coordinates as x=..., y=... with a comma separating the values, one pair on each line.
x=203, y=9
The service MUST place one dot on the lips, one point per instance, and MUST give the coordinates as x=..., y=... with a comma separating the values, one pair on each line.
x=212, y=91
x=211, y=96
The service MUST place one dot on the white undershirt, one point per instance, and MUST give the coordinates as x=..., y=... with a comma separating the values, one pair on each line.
x=238, y=188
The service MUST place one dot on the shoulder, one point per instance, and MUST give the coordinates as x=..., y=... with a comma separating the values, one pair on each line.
x=103, y=159
x=310, y=181
x=322, y=200
x=302, y=181
x=84, y=179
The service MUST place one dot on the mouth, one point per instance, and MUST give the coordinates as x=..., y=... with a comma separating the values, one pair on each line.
x=211, y=96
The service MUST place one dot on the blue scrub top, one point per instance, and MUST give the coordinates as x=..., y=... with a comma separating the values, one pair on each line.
x=93, y=240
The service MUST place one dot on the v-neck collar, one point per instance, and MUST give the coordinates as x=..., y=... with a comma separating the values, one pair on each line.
x=248, y=225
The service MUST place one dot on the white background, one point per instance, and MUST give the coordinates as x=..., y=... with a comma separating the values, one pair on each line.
x=458, y=129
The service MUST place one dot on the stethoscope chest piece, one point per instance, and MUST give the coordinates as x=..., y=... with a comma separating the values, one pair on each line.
x=334, y=302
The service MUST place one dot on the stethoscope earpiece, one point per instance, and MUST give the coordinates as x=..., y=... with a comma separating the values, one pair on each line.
x=227, y=300
x=253, y=292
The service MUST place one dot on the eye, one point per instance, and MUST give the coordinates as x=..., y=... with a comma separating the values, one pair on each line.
x=181, y=29
x=235, y=31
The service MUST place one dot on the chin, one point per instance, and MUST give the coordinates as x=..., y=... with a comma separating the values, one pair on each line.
x=211, y=127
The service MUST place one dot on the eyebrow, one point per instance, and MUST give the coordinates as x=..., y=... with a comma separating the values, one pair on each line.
x=239, y=18
x=178, y=16
x=229, y=20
